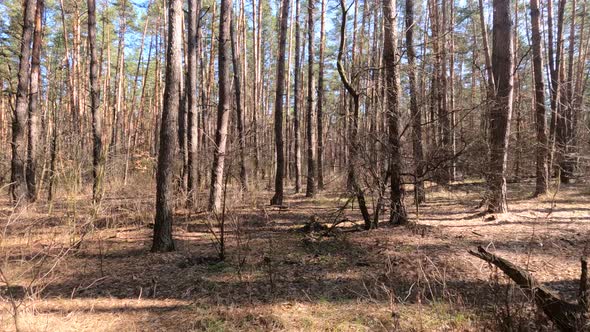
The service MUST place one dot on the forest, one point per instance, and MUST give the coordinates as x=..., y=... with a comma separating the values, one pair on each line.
x=294, y=165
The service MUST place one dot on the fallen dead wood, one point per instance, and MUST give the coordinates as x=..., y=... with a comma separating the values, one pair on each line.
x=565, y=315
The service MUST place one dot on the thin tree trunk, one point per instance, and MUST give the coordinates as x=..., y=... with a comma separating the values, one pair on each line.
x=239, y=107
x=288, y=98
x=194, y=7
x=566, y=162
x=320, y=108
x=223, y=107
x=490, y=88
x=119, y=79
x=415, y=110
x=296, y=92
x=541, y=183
x=33, y=123
x=555, y=68
x=354, y=145
x=257, y=36
x=132, y=111
x=310, y=188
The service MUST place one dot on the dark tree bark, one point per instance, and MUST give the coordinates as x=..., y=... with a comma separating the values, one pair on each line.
x=194, y=7
x=162, y=241
x=277, y=199
x=296, y=92
x=398, y=211
x=320, y=108
x=542, y=174
x=501, y=112
x=18, y=186
x=33, y=123
x=415, y=111
x=239, y=107
x=223, y=107
x=310, y=188
x=97, y=155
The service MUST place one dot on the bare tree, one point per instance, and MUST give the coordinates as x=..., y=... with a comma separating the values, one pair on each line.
x=277, y=199
x=162, y=240
x=239, y=106
x=33, y=123
x=320, y=108
x=566, y=120
x=296, y=92
x=310, y=188
x=97, y=154
x=415, y=111
x=223, y=107
x=398, y=211
x=18, y=186
x=501, y=112
x=353, y=141
x=194, y=7
x=556, y=72
x=490, y=87
x=541, y=186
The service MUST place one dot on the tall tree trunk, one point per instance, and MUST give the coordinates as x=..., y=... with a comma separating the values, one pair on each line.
x=580, y=85
x=566, y=162
x=443, y=116
x=129, y=144
x=183, y=113
x=354, y=144
x=398, y=211
x=223, y=106
x=501, y=112
x=194, y=7
x=162, y=240
x=119, y=80
x=490, y=86
x=18, y=186
x=320, y=108
x=310, y=188
x=97, y=153
x=415, y=111
x=541, y=184
x=33, y=123
x=451, y=120
x=555, y=69
x=207, y=99
x=239, y=106
x=277, y=199
x=296, y=92
x=257, y=91
x=288, y=98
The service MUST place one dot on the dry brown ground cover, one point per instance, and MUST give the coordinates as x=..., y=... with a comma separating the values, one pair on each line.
x=66, y=267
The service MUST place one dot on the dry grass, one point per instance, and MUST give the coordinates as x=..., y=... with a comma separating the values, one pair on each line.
x=74, y=267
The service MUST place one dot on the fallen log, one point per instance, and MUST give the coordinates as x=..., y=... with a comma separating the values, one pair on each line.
x=567, y=316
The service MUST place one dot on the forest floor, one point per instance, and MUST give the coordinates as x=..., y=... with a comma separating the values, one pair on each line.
x=67, y=267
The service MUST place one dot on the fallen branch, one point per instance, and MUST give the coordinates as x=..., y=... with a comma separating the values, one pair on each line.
x=565, y=315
